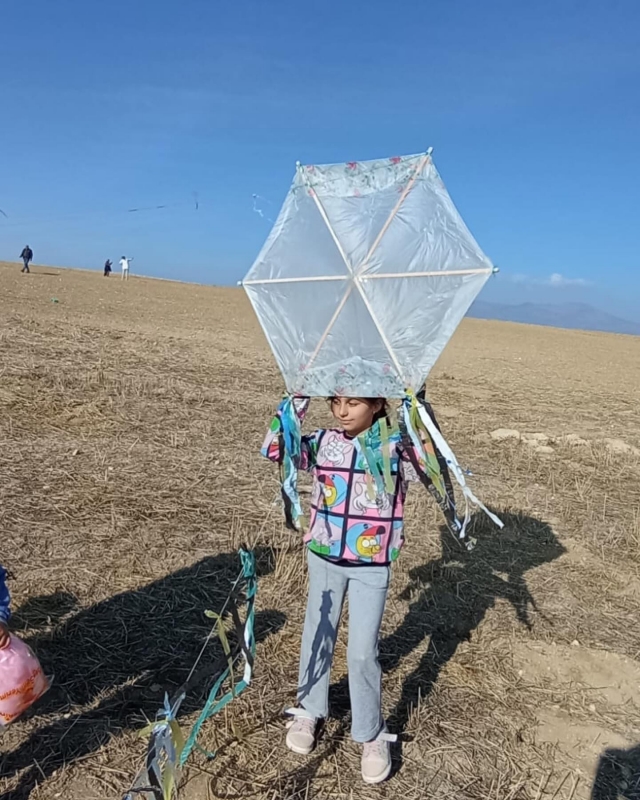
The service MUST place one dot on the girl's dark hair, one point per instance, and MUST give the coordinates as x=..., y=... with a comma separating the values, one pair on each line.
x=384, y=408
x=383, y=413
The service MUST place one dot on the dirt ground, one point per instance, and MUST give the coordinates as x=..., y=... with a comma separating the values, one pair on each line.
x=131, y=416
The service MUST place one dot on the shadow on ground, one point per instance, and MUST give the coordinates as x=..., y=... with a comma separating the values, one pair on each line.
x=450, y=596
x=118, y=657
x=618, y=775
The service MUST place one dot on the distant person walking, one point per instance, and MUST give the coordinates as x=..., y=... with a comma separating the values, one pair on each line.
x=124, y=264
x=107, y=268
x=27, y=256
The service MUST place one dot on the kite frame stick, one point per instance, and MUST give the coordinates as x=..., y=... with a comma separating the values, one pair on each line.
x=385, y=341
x=360, y=269
x=324, y=216
x=349, y=289
x=335, y=316
x=296, y=280
x=442, y=273
x=401, y=199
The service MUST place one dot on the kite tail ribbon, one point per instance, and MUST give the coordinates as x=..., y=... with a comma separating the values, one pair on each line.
x=247, y=638
x=417, y=417
x=375, y=448
x=287, y=425
x=162, y=763
x=167, y=749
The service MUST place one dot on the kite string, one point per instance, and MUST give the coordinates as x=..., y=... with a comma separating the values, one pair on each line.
x=229, y=596
x=247, y=649
x=166, y=717
x=249, y=639
x=213, y=628
x=78, y=215
x=257, y=206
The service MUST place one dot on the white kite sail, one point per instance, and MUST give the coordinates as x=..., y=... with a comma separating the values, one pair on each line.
x=364, y=277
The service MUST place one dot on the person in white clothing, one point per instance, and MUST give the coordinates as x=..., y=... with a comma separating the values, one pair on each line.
x=124, y=264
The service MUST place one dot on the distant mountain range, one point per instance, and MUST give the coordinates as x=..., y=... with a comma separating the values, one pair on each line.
x=566, y=315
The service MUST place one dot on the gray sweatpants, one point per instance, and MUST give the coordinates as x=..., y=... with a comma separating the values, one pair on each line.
x=367, y=589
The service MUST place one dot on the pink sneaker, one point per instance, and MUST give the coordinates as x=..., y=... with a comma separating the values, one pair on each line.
x=376, y=758
x=301, y=736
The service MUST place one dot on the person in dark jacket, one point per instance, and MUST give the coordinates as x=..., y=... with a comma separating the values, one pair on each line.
x=5, y=613
x=107, y=268
x=26, y=255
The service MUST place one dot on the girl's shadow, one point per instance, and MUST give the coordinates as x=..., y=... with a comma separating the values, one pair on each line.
x=116, y=659
x=618, y=775
x=450, y=597
x=452, y=594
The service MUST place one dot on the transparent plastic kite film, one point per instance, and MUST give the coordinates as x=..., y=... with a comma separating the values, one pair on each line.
x=364, y=277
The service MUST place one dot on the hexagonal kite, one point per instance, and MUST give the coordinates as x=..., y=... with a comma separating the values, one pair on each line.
x=365, y=276
x=362, y=281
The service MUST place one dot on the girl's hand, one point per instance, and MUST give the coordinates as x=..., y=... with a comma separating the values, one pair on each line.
x=4, y=635
x=301, y=404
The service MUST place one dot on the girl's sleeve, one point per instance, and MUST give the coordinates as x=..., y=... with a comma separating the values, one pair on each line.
x=5, y=598
x=272, y=447
x=309, y=451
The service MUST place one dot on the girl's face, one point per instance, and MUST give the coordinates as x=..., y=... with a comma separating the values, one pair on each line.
x=355, y=414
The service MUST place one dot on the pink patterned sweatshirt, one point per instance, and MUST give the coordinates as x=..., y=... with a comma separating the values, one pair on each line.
x=350, y=522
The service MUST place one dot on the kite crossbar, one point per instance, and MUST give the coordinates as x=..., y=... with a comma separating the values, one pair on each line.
x=373, y=276
x=443, y=273
x=435, y=274
x=296, y=280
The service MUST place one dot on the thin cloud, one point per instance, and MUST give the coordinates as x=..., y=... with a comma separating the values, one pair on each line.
x=559, y=281
x=555, y=280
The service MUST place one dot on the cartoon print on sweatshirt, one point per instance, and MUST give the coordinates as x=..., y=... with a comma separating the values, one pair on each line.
x=363, y=503
x=363, y=540
x=334, y=449
x=352, y=525
x=333, y=491
x=396, y=541
x=326, y=539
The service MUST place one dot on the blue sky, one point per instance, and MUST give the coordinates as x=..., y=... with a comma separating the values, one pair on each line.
x=533, y=110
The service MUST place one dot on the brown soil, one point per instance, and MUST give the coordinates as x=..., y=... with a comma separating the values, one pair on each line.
x=131, y=416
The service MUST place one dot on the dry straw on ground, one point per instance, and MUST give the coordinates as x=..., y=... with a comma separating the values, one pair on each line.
x=130, y=420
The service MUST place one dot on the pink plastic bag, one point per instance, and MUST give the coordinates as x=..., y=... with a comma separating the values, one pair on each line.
x=22, y=680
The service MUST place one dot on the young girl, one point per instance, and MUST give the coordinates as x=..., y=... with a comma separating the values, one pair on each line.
x=355, y=532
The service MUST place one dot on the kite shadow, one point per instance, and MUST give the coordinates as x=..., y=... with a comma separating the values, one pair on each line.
x=618, y=775
x=117, y=658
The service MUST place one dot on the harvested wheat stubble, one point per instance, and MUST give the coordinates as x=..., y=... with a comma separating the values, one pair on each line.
x=130, y=421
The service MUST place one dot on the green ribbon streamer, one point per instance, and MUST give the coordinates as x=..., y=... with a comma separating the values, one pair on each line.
x=213, y=706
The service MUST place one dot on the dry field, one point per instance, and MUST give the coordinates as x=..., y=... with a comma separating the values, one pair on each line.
x=131, y=416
